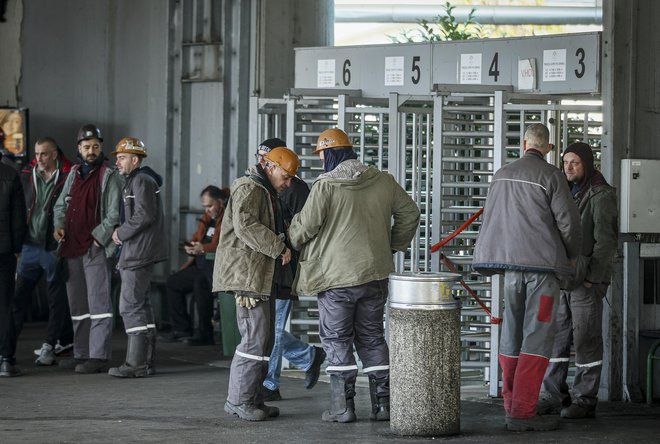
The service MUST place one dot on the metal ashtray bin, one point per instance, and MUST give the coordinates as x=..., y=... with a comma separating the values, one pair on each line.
x=425, y=361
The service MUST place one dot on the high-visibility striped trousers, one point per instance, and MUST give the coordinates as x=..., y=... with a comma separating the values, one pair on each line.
x=134, y=301
x=88, y=290
x=579, y=321
x=249, y=366
x=354, y=316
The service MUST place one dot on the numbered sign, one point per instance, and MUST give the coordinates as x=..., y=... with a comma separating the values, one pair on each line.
x=377, y=70
x=557, y=64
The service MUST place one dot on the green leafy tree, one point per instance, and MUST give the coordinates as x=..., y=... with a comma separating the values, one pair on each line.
x=446, y=27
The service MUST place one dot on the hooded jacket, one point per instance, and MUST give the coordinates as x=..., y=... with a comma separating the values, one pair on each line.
x=597, y=203
x=530, y=220
x=345, y=232
x=248, y=247
x=142, y=221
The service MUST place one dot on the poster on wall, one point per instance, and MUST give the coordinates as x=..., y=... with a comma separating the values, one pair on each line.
x=13, y=131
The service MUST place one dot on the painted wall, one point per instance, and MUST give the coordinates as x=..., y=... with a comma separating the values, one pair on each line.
x=102, y=62
x=10, y=52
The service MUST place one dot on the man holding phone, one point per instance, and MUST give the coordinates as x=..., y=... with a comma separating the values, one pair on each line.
x=195, y=275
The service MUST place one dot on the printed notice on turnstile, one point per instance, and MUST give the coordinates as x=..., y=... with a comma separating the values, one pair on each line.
x=470, y=69
x=526, y=74
x=554, y=65
x=393, y=71
x=325, y=73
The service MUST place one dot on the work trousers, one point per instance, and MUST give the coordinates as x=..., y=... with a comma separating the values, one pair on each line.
x=353, y=316
x=191, y=279
x=250, y=363
x=7, y=329
x=530, y=301
x=579, y=320
x=35, y=261
x=88, y=289
x=135, y=302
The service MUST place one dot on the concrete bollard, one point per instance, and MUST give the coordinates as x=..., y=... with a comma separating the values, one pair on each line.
x=425, y=361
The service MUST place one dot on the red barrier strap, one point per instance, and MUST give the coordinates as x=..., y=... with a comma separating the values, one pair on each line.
x=458, y=231
x=450, y=265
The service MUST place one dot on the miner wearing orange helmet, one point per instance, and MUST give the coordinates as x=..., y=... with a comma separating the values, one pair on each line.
x=251, y=252
x=140, y=238
x=354, y=219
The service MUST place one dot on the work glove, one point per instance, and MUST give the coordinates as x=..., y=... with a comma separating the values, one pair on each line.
x=245, y=301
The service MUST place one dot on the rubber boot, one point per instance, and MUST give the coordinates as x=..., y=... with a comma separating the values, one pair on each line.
x=508, y=365
x=136, y=359
x=380, y=405
x=342, y=404
x=151, y=351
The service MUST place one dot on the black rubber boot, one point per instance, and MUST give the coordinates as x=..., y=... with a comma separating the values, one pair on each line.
x=380, y=405
x=342, y=404
x=151, y=352
x=136, y=359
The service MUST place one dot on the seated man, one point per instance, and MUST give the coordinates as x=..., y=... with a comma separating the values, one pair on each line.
x=195, y=275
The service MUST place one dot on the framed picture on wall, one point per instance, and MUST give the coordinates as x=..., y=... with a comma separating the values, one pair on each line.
x=13, y=131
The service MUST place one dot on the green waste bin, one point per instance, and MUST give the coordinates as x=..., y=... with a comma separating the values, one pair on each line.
x=231, y=337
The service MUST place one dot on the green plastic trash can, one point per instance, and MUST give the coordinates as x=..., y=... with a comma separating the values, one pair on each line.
x=231, y=337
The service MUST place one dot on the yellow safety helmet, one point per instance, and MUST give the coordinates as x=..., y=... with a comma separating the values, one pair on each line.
x=284, y=158
x=130, y=145
x=332, y=138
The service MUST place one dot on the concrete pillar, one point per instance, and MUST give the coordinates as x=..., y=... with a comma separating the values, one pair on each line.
x=425, y=361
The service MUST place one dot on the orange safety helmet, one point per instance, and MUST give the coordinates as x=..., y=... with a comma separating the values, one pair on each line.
x=284, y=158
x=130, y=145
x=332, y=138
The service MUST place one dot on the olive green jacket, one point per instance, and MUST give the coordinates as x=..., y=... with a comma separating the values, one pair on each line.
x=600, y=235
x=248, y=245
x=345, y=230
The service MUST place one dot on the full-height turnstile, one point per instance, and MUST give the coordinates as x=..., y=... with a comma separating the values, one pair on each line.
x=441, y=140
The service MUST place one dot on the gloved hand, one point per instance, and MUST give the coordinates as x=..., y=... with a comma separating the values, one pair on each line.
x=245, y=301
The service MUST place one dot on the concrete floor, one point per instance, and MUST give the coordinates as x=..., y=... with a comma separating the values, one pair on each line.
x=184, y=403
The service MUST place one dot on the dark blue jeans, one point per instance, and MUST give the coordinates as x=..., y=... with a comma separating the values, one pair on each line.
x=298, y=353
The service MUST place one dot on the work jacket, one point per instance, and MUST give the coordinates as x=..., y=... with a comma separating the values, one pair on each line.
x=109, y=204
x=600, y=231
x=248, y=247
x=530, y=220
x=143, y=225
x=345, y=232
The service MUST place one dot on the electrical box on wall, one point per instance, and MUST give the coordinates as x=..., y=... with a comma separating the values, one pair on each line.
x=640, y=196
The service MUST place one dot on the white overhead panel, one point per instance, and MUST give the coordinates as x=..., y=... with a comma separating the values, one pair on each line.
x=377, y=70
x=558, y=64
x=561, y=64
